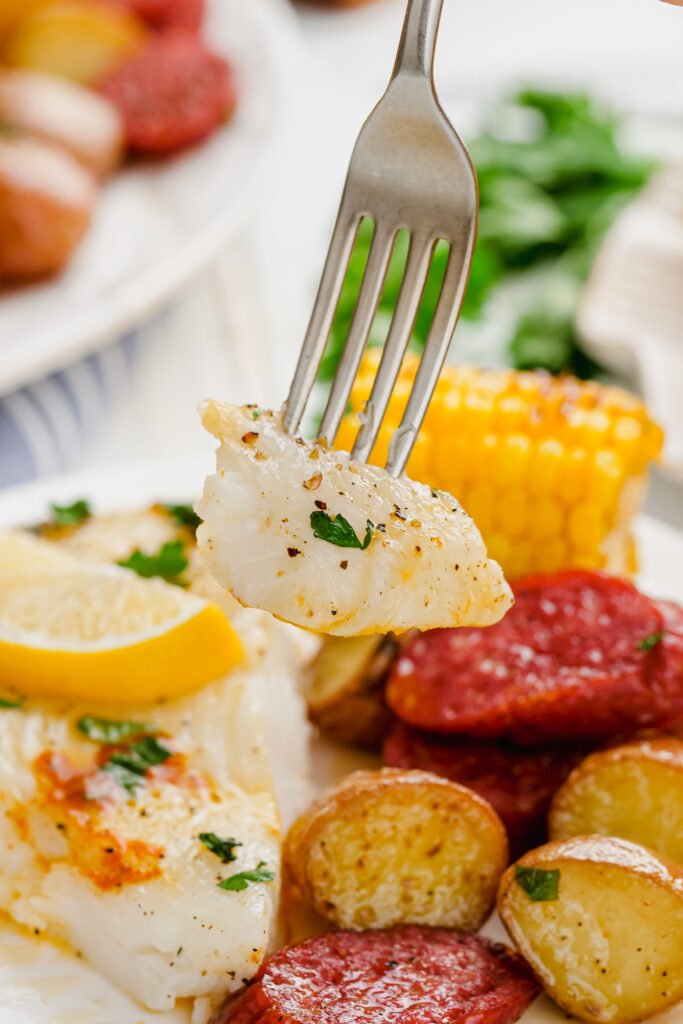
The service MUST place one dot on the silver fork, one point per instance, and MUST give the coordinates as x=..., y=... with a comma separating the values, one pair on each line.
x=409, y=170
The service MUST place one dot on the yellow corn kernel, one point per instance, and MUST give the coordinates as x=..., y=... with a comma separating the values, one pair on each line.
x=547, y=466
x=519, y=557
x=347, y=433
x=479, y=500
x=513, y=459
x=511, y=514
x=511, y=415
x=587, y=527
x=627, y=439
x=477, y=411
x=380, y=452
x=419, y=464
x=550, y=556
x=546, y=519
x=606, y=477
x=572, y=482
x=499, y=548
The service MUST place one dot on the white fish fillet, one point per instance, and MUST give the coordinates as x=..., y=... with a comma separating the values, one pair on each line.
x=177, y=935
x=425, y=566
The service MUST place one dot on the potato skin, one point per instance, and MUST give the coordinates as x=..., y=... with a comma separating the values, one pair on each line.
x=352, y=710
x=65, y=115
x=634, y=791
x=46, y=204
x=391, y=847
x=614, y=929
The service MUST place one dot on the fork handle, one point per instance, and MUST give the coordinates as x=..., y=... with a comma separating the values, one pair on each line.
x=418, y=40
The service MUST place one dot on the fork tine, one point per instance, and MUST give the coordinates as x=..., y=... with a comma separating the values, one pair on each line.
x=414, y=278
x=320, y=324
x=435, y=351
x=363, y=316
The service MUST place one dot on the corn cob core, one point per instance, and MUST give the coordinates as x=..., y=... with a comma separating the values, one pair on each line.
x=552, y=469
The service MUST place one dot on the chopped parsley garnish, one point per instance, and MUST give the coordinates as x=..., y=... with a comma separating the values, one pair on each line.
x=128, y=767
x=223, y=848
x=648, y=643
x=184, y=515
x=127, y=779
x=69, y=515
x=255, y=413
x=236, y=883
x=107, y=730
x=337, y=530
x=169, y=563
x=4, y=703
x=539, y=885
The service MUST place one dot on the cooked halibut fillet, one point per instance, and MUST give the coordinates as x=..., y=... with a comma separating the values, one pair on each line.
x=334, y=545
x=123, y=877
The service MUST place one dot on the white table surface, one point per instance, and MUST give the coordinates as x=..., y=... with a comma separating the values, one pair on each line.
x=235, y=331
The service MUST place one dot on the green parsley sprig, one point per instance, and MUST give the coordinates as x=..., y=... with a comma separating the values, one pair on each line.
x=71, y=515
x=337, y=530
x=223, y=848
x=169, y=563
x=240, y=881
x=539, y=885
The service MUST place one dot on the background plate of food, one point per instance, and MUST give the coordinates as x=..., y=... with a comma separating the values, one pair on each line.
x=178, y=182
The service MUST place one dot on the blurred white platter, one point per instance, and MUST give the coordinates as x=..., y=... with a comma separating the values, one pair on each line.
x=158, y=225
x=41, y=984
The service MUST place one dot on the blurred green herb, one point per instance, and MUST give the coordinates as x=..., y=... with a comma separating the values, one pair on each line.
x=168, y=563
x=69, y=515
x=648, y=643
x=108, y=730
x=552, y=176
x=184, y=515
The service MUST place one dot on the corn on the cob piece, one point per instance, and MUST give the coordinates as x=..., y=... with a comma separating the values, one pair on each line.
x=551, y=469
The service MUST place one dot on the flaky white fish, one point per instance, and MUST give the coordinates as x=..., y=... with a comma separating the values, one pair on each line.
x=333, y=545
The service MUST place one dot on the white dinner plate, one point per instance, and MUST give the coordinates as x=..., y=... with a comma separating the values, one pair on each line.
x=158, y=225
x=41, y=984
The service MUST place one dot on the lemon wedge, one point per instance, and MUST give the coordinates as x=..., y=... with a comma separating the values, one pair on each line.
x=82, y=630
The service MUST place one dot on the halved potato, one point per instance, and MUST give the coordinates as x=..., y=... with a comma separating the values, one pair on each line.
x=78, y=39
x=600, y=920
x=46, y=203
x=345, y=688
x=394, y=847
x=634, y=791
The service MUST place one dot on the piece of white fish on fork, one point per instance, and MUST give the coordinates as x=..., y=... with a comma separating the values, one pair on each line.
x=333, y=545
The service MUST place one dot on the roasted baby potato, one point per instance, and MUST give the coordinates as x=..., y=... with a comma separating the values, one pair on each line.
x=391, y=847
x=77, y=39
x=600, y=921
x=345, y=688
x=73, y=118
x=46, y=204
x=634, y=791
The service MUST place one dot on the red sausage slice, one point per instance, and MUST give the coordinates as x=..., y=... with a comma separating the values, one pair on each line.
x=164, y=14
x=519, y=784
x=171, y=95
x=570, y=659
x=408, y=975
